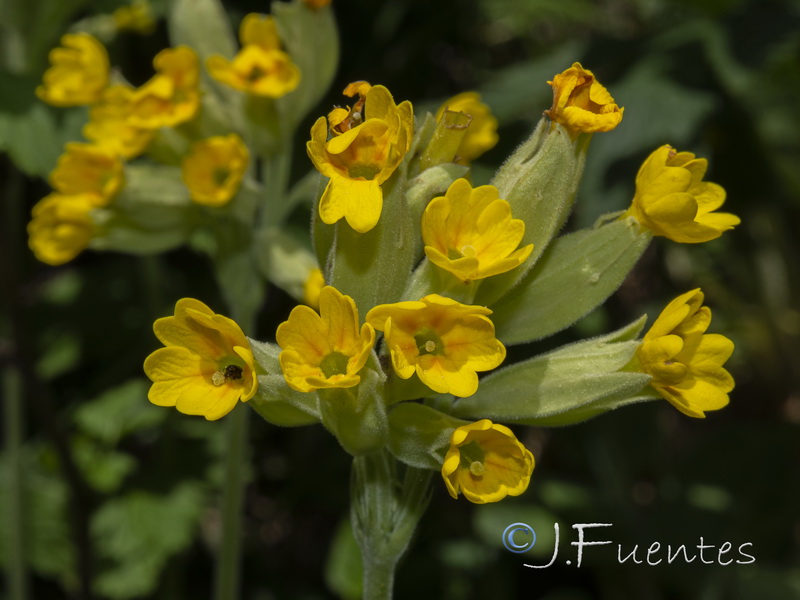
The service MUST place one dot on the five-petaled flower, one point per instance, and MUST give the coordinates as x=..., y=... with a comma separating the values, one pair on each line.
x=486, y=463
x=673, y=201
x=443, y=341
x=88, y=169
x=108, y=125
x=581, y=104
x=260, y=68
x=214, y=168
x=78, y=74
x=325, y=350
x=685, y=363
x=470, y=233
x=360, y=159
x=481, y=134
x=61, y=227
x=172, y=95
x=207, y=365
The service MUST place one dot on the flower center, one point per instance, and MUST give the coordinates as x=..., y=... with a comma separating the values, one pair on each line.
x=229, y=373
x=219, y=176
x=476, y=468
x=334, y=363
x=472, y=458
x=428, y=342
x=366, y=171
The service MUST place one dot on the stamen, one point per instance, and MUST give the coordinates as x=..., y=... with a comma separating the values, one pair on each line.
x=218, y=378
x=476, y=468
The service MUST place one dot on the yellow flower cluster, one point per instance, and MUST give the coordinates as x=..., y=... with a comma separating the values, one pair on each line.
x=684, y=361
x=260, y=68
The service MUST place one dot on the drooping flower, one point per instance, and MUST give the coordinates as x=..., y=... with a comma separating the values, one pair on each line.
x=470, y=233
x=61, y=227
x=443, y=341
x=136, y=16
x=313, y=287
x=109, y=128
x=359, y=160
x=581, y=104
x=206, y=366
x=260, y=68
x=673, y=201
x=481, y=135
x=685, y=363
x=214, y=168
x=88, y=169
x=486, y=463
x=78, y=74
x=172, y=95
x=325, y=350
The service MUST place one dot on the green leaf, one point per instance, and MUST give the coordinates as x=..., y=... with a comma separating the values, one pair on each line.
x=102, y=468
x=137, y=534
x=491, y=520
x=576, y=275
x=343, y=567
x=565, y=386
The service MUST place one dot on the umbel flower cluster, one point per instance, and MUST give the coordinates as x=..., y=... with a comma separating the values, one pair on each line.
x=414, y=281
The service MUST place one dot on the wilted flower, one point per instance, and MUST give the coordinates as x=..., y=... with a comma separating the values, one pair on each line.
x=486, y=463
x=581, y=104
x=78, y=73
x=359, y=160
x=684, y=361
x=207, y=365
x=325, y=350
x=260, y=68
x=172, y=95
x=673, y=201
x=481, y=134
x=214, y=168
x=60, y=227
x=470, y=233
x=443, y=341
x=88, y=169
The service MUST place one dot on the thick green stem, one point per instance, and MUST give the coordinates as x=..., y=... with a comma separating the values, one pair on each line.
x=384, y=513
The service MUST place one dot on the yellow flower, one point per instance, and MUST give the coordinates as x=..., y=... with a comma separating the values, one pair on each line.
x=136, y=17
x=260, y=68
x=673, y=201
x=470, y=232
x=486, y=463
x=78, y=73
x=108, y=125
x=214, y=168
x=312, y=288
x=207, y=365
x=172, y=95
x=324, y=350
x=88, y=169
x=359, y=160
x=443, y=341
x=481, y=134
x=60, y=227
x=581, y=104
x=684, y=361
x=340, y=119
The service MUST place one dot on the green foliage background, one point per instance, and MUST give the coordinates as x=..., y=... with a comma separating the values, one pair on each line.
x=125, y=495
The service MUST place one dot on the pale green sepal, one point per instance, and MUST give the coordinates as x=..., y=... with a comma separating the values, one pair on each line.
x=422, y=137
x=374, y=267
x=284, y=260
x=357, y=415
x=323, y=235
x=235, y=268
x=450, y=131
x=430, y=183
x=427, y=278
x=154, y=184
x=275, y=401
x=540, y=182
x=560, y=387
x=310, y=38
x=576, y=275
x=420, y=435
